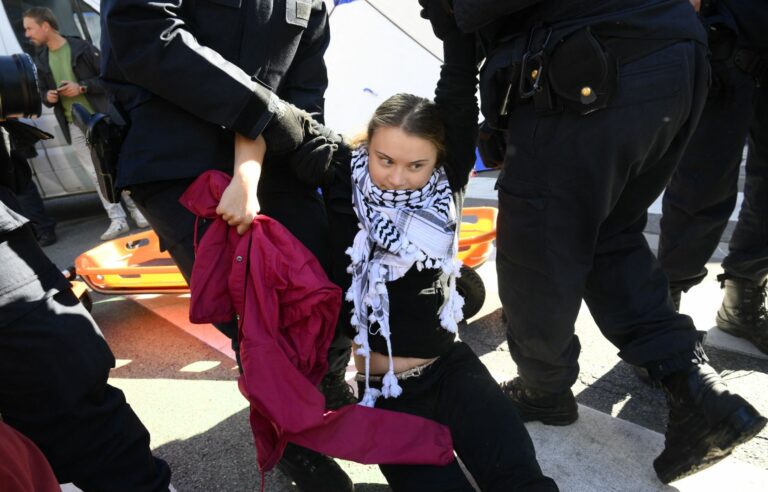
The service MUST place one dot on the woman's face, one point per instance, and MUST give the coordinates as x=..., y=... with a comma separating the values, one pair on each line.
x=399, y=161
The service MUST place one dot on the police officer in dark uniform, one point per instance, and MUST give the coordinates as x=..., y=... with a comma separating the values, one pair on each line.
x=198, y=82
x=54, y=365
x=702, y=194
x=596, y=102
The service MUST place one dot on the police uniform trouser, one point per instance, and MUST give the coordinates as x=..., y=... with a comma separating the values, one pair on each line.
x=748, y=248
x=573, y=196
x=702, y=194
x=281, y=197
x=54, y=365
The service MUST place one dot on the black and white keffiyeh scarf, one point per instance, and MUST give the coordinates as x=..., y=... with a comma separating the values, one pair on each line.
x=398, y=228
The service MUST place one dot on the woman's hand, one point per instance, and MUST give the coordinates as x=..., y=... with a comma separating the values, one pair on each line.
x=239, y=205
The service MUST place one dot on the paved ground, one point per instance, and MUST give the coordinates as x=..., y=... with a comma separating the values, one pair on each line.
x=180, y=379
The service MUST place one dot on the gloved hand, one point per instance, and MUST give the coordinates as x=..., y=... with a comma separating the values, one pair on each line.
x=311, y=162
x=440, y=15
x=287, y=129
x=491, y=145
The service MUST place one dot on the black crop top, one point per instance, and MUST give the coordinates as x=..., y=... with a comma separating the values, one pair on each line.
x=415, y=301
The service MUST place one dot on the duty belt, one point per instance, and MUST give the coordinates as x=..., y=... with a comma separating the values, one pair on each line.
x=584, y=86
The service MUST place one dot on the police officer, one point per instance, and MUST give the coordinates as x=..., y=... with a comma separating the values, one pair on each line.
x=54, y=365
x=597, y=101
x=702, y=194
x=198, y=82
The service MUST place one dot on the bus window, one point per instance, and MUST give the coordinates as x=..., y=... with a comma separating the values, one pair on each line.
x=75, y=17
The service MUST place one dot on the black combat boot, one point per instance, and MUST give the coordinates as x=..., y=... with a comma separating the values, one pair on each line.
x=706, y=422
x=336, y=390
x=743, y=313
x=312, y=471
x=547, y=408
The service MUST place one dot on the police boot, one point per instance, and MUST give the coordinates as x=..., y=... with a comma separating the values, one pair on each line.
x=743, y=313
x=547, y=408
x=312, y=471
x=336, y=390
x=706, y=422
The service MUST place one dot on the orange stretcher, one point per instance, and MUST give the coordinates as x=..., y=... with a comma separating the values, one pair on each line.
x=135, y=265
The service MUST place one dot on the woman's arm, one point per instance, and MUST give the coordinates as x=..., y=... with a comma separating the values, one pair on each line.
x=456, y=100
x=239, y=204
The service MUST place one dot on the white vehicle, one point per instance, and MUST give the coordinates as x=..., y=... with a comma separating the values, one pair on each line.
x=55, y=169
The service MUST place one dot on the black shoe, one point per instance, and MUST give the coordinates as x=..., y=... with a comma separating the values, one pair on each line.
x=336, y=390
x=706, y=422
x=547, y=408
x=47, y=238
x=312, y=471
x=743, y=313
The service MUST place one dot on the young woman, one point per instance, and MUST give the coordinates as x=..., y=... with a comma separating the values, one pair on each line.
x=406, y=194
x=393, y=204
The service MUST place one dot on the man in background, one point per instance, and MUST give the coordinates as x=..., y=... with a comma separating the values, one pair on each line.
x=68, y=73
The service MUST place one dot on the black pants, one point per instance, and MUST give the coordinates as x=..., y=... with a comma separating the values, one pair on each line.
x=702, y=194
x=281, y=197
x=34, y=210
x=573, y=196
x=488, y=435
x=54, y=365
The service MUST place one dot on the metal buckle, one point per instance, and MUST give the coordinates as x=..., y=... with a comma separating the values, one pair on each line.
x=532, y=67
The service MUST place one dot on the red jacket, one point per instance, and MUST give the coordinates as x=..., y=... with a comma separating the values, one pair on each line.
x=287, y=309
x=23, y=468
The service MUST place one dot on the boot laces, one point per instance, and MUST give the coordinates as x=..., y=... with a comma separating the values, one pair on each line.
x=757, y=295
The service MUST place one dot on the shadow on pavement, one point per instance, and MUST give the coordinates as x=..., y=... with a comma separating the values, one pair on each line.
x=484, y=334
x=727, y=363
x=153, y=348
x=640, y=404
x=223, y=459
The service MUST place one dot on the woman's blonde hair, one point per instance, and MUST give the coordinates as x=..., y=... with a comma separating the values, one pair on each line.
x=414, y=115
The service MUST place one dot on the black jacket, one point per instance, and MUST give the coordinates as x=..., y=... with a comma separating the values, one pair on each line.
x=85, y=65
x=640, y=19
x=190, y=73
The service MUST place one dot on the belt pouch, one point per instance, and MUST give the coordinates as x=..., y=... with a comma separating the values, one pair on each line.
x=582, y=73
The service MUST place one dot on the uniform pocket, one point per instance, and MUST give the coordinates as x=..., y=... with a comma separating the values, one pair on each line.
x=297, y=12
x=649, y=83
x=521, y=227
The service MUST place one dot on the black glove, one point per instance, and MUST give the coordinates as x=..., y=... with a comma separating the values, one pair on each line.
x=311, y=163
x=491, y=145
x=287, y=129
x=440, y=15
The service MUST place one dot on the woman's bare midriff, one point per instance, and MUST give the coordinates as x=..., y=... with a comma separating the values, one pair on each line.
x=380, y=363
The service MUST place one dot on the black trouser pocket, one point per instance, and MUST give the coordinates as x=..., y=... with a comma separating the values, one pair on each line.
x=521, y=228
